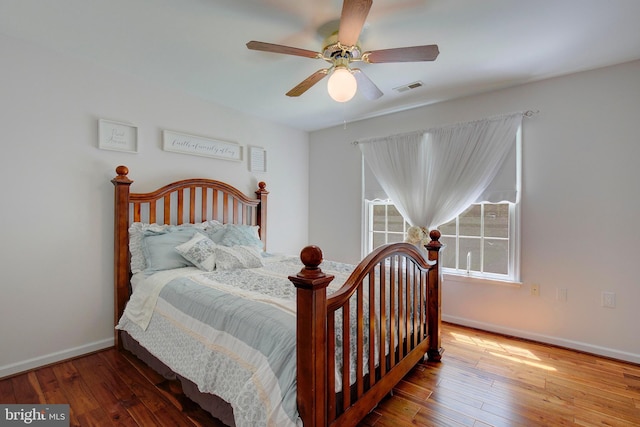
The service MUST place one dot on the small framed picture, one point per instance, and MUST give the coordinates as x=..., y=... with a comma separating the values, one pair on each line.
x=257, y=159
x=117, y=136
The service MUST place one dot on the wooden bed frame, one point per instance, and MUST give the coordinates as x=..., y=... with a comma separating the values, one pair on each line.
x=410, y=283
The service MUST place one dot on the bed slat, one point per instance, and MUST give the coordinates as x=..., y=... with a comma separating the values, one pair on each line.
x=225, y=208
x=346, y=356
x=180, y=206
x=372, y=329
x=331, y=368
x=383, y=321
x=360, y=343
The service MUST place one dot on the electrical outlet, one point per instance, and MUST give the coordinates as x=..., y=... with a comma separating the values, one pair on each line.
x=609, y=299
x=535, y=290
x=561, y=294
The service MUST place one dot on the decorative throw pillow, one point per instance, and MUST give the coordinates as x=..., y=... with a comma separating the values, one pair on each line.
x=228, y=258
x=159, y=248
x=200, y=251
x=241, y=235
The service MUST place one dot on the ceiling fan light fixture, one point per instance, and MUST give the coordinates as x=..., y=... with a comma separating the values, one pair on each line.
x=342, y=85
x=340, y=48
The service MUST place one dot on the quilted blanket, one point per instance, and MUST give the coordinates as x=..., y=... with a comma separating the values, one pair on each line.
x=231, y=332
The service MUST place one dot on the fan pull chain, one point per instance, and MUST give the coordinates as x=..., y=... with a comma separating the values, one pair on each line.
x=344, y=115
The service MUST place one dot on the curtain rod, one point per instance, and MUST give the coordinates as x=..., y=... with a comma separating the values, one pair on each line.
x=527, y=113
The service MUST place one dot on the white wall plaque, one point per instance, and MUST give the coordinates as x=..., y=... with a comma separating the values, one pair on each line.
x=200, y=146
x=257, y=159
x=117, y=136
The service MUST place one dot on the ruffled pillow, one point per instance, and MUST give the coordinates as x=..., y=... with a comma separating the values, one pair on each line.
x=200, y=251
x=136, y=232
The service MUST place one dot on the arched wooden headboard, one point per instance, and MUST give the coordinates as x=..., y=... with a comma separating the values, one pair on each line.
x=187, y=201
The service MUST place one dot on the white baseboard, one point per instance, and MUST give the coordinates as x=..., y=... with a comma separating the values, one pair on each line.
x=547, y=339
x=47, y=359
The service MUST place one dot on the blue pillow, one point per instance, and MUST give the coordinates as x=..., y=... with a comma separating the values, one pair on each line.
x=159, y=248
x=215, y=233
x=241, y=235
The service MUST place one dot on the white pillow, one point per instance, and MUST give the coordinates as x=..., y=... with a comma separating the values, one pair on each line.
x=200, y=251
x=230, y=257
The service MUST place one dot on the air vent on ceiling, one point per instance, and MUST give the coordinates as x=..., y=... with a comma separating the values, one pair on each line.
x=409, y=86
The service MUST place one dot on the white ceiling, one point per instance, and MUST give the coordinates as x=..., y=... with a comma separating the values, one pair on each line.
x=198, y=46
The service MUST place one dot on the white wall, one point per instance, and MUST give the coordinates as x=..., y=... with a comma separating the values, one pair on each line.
x=57, y=200
x=580, y=208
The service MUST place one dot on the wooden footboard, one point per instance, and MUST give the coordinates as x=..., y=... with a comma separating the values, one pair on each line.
x=393, y=296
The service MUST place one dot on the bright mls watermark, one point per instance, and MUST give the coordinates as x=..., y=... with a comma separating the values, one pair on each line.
x=37, y=415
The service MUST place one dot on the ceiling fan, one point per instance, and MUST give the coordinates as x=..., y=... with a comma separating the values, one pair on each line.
x=341, y=48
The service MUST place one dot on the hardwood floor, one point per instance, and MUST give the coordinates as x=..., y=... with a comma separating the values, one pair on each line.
x=483, y=380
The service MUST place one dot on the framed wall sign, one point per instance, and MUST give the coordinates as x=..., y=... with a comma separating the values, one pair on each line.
x=257, y=159
x=200, y=146
x=117, y=136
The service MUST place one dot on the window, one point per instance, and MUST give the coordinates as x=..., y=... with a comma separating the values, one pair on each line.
x=481, y=242
x=384, y=225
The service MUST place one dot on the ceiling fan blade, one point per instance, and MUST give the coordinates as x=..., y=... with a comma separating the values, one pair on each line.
x=365, y=86
x=403, y=54
x=308, y=82
x=278, y=48
x=354, y=14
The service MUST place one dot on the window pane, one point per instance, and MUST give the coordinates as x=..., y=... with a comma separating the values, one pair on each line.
x=448, y=254
x=378, y=240
x=496, y=256
x=496, y=220
x=396, y=222
x=470, y=221
x=395, y=238
x=467, y=246
x=448, y=228
x=379, y=213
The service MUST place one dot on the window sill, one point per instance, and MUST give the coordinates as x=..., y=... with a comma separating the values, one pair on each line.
x=447, y=277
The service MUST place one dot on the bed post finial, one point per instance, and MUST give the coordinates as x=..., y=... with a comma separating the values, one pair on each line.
x=311, y=330
x=435, y=298
x=311, y=257
x=434, y=235
x=122, y=171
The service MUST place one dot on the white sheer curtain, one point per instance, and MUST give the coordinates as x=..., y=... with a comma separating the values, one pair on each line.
x=433, y=175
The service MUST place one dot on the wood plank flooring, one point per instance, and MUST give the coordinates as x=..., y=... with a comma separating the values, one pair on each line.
x=484, y=380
